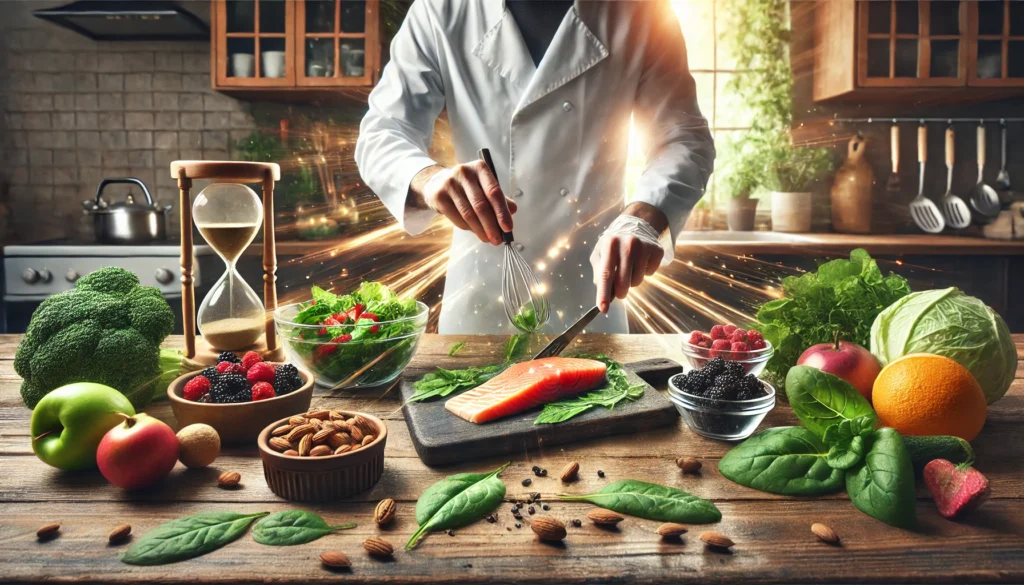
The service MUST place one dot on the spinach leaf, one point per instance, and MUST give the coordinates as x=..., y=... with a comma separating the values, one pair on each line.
x=457, y=500
x=821, y=400
x=617, y=389
x=188, y=537
x=847, y=442
x=652, y=502
x=456, y=348
x=442, y=382
x=293, y=527
x=785, y=460
x=882, y=486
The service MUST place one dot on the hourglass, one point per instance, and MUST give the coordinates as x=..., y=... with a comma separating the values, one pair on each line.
x=228, y=214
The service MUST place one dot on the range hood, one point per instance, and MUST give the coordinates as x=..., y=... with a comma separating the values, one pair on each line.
x=128, y=20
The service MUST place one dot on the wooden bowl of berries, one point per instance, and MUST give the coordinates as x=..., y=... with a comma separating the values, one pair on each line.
x=238, y=397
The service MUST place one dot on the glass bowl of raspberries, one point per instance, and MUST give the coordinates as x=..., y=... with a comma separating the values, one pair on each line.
x=721, y=400
x=730, y=343
x=240, y=395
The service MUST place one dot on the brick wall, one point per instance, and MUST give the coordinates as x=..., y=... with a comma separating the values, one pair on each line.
x=76, y=111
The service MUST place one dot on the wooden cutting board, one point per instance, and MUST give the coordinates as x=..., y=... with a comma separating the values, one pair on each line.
x=441, y=437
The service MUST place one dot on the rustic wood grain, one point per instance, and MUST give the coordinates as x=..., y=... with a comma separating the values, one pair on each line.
x=774, y=541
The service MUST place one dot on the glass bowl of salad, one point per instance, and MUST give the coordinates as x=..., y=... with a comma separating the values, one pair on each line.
x=365, y=338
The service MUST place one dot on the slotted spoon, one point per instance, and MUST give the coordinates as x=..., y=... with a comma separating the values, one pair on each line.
x=958, y=215
x=983, y=198
x=923, y=210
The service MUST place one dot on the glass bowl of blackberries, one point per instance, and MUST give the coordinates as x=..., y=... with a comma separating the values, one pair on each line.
x=721, y=400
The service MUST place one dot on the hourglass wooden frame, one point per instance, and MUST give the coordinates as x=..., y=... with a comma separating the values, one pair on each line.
x=227, y=172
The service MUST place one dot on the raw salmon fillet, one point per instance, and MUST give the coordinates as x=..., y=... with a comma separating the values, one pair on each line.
x=527, y=385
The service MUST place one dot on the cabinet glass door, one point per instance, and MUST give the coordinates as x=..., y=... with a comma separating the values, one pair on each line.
x=332, y=41
x=911, y=43
x=254, y=51
x=997, y=43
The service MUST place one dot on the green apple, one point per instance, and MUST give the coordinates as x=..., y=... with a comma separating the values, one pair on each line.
x=69, y=423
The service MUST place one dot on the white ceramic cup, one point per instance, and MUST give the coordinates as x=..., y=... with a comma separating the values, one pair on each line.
x=273, y=63
x=243, y=64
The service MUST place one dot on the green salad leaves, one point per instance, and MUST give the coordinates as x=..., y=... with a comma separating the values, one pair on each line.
x=843, y=296
x=617, y=389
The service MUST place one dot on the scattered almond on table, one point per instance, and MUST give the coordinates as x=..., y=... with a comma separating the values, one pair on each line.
x=671, y=530
x=604, y=517
x=548, y=529
x=378, y=547
x=384, y=513
x=334, y=559
x=689, y=464
x=571, y=472
x=825, y=533
x=716, y=540
x=48, y=531
x=229, y=479
x=119, y=534
x=319, y=433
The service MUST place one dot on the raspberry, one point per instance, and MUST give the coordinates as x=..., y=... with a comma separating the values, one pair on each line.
x=718, y=332
x=695, y=337
x=227, y=356
x=262, y=391
x=754, y=336
x=742, y=332
x=251, y=358
x=720, y=344
x=222, y=367
x=739, y=346
x=730, y=329
x=705, y=343
x=736, y=337
x=758, y=344
x=230, y=368
x=196, y=388
x=261, y=372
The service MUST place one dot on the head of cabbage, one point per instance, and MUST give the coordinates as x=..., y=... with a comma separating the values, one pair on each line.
x=949, y=323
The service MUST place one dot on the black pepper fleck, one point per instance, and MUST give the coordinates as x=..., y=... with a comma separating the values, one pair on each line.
x=518, y=525
x=536, y=469
x=450, y=532
x=577, y=523
x=542, y=472
x=545, y=507
x=527, y=482
x=600, y=473
x=531, y=510
x=535, y=496
x=492, y=519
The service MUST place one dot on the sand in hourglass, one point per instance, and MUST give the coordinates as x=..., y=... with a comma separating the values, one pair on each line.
x=230, y=240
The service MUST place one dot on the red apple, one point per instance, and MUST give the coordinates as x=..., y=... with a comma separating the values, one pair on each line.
x=846, y=360
x=137, y=453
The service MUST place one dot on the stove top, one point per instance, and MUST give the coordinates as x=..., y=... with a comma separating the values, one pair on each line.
x=79, y=247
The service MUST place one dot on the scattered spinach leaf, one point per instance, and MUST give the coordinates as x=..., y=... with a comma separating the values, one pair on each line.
x=882, y=485
x=617, y=389
x=652, y=502
x=293, y=527
x=785, y=460
x=847, y=441
x=188, y=537
x=457, y=500
x=456, y=348
x=442, y=382
x=821, y=400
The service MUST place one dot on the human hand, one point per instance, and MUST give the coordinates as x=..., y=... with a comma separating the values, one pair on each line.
x=622, y=262
x=470, y=197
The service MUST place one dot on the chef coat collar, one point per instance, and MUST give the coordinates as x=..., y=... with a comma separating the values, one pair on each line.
x=573, y=50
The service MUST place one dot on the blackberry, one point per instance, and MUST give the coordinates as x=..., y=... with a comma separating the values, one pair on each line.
x=230, y=388
x=726, y=380
x=716, y=393
x=286, y=379
x=697, y=382
x=210, y=373
x=749, y=388
x=715, y=367
x=721, y=391
x=735, y=369
x=228, y=356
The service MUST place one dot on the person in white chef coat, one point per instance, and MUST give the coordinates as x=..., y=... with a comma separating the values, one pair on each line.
x=549, y=86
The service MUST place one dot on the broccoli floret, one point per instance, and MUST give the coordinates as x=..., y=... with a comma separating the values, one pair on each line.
x=108, y=330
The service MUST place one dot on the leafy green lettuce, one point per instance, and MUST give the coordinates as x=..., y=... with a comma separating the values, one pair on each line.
x=843, y=297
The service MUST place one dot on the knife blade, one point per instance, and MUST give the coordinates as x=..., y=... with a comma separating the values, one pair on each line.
x=561, y=342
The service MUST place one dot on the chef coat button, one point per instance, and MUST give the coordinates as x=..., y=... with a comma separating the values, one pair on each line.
x=518, y=193
x=566, y=106
x=563, y=192
x=518, y=246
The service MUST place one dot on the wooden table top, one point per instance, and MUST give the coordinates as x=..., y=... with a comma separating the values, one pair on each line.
x=772, y=533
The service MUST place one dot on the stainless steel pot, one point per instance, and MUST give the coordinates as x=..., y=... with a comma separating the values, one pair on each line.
x=126, y=222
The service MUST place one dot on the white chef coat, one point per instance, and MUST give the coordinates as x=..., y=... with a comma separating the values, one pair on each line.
x=558, y=133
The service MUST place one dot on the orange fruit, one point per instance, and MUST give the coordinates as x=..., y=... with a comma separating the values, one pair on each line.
x=925, y=394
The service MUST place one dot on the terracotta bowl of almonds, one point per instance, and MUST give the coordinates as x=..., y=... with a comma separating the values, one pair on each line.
x=323, y=455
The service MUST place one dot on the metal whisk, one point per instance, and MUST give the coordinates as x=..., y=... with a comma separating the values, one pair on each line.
x=526, y=306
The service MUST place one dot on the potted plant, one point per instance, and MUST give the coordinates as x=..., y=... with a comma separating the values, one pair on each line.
x=742, y=177
x=790, y=174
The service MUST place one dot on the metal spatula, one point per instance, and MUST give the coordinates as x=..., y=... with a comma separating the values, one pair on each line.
x=1003, y=179
x=923, y=210
x=983, y=198
x=958, y=215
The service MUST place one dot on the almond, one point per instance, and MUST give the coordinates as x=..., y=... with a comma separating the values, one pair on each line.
x=279, y=443
x=825, y=533
x=335, y=559
x=317, y=424
x=338, y=439
x=571, y=472
x=356, y=446
x=689, y=464
x=378, y=547
x=384, y=512
x=282, y=430
x=48, y=531
x=334, y=415
x=716, y=539
x=297, y=420
x=319, y=414
x=299, y=432
x=604, y=517
x=364, y=424
x=321, y=436
x=367, y=440
x=328, y=425
x=291, y=453
x=355, y=433
x=229, y=479
x=343, y=449
x=320, y=451
x=671, y=530
x=305, y=445
x=119, y=534
x=547, y=528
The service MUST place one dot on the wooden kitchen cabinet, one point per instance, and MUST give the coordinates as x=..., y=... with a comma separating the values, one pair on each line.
x=288, y=47
x=893, y=49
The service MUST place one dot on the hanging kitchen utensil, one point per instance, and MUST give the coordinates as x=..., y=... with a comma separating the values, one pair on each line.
x=923, y=210
x=526, y=306
x=984, y=199
x=958, y=215
x=852, y=190
x=126, y=222
x=893, y=185
x=1003, y=179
